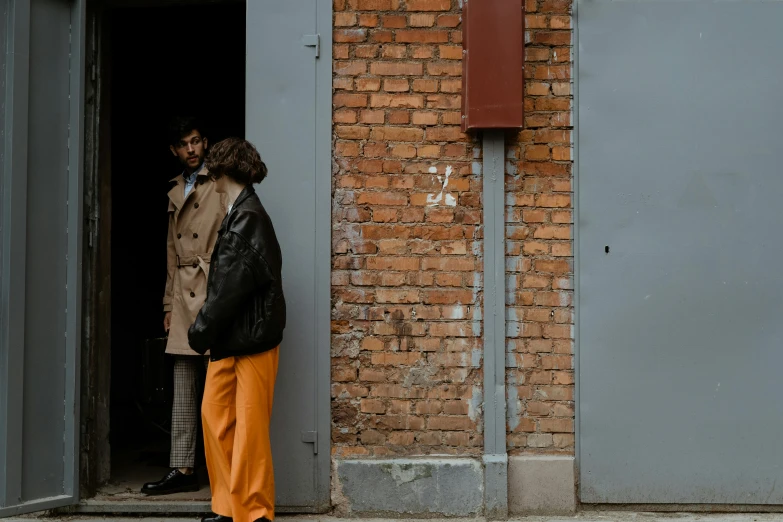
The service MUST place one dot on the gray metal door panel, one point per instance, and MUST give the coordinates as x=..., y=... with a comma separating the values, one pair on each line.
x=679, y=324
x=283, y=78
x=41, y=256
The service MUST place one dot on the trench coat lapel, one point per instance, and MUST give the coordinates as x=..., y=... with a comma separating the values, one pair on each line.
x=177, y=192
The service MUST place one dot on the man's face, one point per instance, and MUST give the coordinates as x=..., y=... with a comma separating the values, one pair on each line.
x=191, y=150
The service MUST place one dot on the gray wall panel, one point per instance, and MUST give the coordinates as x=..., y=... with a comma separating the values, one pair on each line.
x=679, y=324
x=47, y=196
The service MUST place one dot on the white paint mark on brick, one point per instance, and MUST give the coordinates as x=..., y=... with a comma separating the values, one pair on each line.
x=475, y=404
x=434, y=200
x=513, y=329
x=457, y=312
x=476, y=357
x=478, y=314
x=514, y=408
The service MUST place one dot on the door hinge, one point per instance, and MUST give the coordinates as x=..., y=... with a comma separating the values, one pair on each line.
x=313, y=40
x=311, y=437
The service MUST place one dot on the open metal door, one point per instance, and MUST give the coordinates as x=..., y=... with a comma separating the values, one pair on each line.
x=288, y=117
x=40, y=252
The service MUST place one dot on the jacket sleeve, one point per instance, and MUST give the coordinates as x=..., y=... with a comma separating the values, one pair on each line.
x=231, y=284
x=171, y=267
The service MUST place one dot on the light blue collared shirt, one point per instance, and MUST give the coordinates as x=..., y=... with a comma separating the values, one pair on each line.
x=190, y=182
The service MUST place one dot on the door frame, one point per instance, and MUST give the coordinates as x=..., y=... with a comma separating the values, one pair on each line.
x=95, y=451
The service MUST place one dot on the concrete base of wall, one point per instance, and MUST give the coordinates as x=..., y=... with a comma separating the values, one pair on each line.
x=541, y=485
x=429, y=486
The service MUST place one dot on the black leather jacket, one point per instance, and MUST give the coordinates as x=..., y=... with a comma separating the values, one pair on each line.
x=244, y=313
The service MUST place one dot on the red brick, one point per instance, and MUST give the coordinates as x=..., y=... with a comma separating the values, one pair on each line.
x=368, y=20
x=344, y=19
x=421, y=36
x=350, y=35
x=397, y=134
x=350, y=100
x=383, y=295
x=422, y=20
x=394, y=51
x=396, y=69
x=420, y=85
x=393, y=263
x=445, y=134
x=399, y=118
x=425, y=118
x=556, y=6
x=557, y=425
x=537, y=88
x=444, y=69
x=428, y=5
x=396, y=85
x=450, y=52
x=394, y=21
x=448, y=21
x=372, y=406
x=374, y=5
x=449, y=423
x=537, y=54
x=423, y=53
x=345, y=116
x=408, y=101
x=367, y=51
x=368, y=84
x=371, y=117
x=351, y=132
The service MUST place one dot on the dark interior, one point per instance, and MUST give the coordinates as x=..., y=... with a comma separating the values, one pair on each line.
x=165, y=61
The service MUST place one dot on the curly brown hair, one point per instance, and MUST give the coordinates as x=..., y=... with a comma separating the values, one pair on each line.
x=238, y=159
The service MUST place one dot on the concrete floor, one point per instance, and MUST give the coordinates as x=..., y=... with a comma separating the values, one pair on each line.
x=583, y=517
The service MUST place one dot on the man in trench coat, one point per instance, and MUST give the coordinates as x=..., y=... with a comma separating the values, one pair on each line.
x=195, y=213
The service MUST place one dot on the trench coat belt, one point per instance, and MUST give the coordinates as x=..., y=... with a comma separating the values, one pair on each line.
x=193, y=260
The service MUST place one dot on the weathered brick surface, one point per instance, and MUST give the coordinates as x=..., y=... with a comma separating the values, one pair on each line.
x=540, y=377
x=406, y=345
x=407, y=250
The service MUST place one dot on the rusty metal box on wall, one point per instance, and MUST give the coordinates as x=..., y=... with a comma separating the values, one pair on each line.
x=493, y=64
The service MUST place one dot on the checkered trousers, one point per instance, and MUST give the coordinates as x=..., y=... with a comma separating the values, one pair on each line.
x=185, y=417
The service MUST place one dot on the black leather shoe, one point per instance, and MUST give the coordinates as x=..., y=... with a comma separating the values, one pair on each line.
x=174, y=482
x=216, y=518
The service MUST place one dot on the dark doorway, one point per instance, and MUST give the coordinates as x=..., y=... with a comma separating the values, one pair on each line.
x=184, y=60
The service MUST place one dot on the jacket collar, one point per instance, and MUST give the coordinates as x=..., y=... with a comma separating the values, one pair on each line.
x=202, y=172
x=177, y=192
x=246, y=193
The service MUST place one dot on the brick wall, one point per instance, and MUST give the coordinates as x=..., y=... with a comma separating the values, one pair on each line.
x=539, y=248
x=407, y=251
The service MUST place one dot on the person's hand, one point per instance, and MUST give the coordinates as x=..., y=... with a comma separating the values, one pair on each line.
x=167, y=321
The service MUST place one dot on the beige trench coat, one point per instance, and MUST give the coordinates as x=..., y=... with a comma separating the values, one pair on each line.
x=193, y=228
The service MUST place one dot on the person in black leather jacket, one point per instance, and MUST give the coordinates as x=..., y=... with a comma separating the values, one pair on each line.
x=241, y=324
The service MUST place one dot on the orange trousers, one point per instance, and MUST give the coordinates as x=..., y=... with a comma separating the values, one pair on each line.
x=236, y=411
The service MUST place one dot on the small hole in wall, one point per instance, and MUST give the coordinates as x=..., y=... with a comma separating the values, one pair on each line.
x=606, y=249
